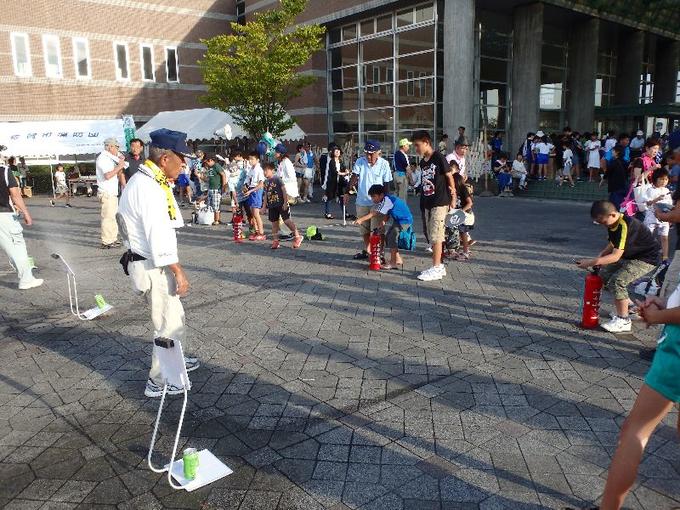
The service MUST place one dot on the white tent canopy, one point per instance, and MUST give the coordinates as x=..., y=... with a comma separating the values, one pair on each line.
x=59, y=137
x=204, y=124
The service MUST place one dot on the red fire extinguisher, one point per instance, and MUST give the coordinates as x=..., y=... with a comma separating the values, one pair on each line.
x=236, y=221
x=592, y=290
x=374, y=256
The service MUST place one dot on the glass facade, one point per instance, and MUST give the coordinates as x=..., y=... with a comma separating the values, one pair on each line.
x=605, y=83
x=385, y=76
x=553, y=92
x=647, y=76
x=492, y=79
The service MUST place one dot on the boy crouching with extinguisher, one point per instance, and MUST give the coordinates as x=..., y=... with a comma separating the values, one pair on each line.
x=402, y=219
x=631, y=253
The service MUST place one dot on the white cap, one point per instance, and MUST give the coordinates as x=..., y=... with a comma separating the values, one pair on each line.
x=540, y=134
x=640, y=133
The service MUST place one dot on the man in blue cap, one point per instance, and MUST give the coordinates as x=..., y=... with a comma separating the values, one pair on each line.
x=148, y=216
x=369, y=170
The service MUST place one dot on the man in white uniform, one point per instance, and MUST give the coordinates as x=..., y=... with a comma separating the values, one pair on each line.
x=110, y=165
x=11, y=234
x=148, y=217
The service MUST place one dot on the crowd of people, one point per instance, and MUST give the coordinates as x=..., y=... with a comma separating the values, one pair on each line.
x=569, y=157
x=147, y=215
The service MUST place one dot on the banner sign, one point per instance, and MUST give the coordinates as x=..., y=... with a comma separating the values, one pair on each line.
x=54, y=138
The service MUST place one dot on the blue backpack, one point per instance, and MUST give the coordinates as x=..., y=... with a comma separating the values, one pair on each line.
x=407, y=240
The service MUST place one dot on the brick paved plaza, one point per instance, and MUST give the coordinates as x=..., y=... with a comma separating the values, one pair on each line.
x=324, y=385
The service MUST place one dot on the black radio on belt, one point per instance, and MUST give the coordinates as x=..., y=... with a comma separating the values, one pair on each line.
x=166, y=343
x=128, y=257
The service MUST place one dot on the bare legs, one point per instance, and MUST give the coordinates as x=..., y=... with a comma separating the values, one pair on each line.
x=649, y=409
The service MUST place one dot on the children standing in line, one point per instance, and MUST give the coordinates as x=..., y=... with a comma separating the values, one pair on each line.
x=519, y=171
x=592, y=149
x=567, y=163
x=276, y=201
x=402, y=219
x=61, y=187
x=542, y=150
x=255, y=184
x=658, y=195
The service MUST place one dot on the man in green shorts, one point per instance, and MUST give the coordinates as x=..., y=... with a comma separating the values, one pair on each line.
x=631, y=253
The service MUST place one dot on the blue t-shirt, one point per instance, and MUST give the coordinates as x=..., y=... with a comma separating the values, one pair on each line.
x=240, y=194
x=379, y=173
x=310, y=159
x=397, y=209
x=625, y=156
x=400, y=162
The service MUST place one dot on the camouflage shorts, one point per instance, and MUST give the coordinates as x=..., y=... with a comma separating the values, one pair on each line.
x=618, y=276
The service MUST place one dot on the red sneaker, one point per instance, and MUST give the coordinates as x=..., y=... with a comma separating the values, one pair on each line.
x=297, y=242
x=275, y=244
x=260, y=237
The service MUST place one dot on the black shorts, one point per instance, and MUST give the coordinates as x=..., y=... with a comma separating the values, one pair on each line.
x=276, y=213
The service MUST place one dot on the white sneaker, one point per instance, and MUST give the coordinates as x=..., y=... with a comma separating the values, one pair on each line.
x=432, y=274
x=428, y=249
x=618, y=325
x=191, y=363
x=36, y=282
x=154, y=390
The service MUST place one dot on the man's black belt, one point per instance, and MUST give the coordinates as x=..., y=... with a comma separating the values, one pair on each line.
x=128, y=257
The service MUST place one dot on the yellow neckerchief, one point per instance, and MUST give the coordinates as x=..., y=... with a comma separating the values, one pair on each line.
x=161, y=179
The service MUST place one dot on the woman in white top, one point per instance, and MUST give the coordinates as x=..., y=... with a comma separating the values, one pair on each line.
x=593, y=150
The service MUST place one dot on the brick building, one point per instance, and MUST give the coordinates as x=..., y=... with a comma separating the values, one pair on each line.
x=388, y=67
x=103, y=58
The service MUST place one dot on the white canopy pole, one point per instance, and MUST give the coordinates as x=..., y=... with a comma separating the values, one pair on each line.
x=54, y=195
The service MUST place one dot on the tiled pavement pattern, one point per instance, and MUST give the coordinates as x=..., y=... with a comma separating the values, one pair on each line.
x=324, y=385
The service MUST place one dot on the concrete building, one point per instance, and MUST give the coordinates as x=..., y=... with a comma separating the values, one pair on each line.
x=389, y=67
x=497, y=65
x=76, y=59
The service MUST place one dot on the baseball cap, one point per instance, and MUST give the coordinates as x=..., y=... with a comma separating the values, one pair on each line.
x=404, y=141
x=112, y=140
x=176, y=141
x=540, y=134
x=639, y=132
x=372, y=146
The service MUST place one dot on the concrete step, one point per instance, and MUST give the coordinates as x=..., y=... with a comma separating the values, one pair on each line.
x=582, y=191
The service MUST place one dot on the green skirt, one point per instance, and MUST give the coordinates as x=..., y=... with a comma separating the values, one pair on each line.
x=664, y=374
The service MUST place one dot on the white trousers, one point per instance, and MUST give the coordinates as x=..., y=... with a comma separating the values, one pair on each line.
x=13, y=244
x=167, y=313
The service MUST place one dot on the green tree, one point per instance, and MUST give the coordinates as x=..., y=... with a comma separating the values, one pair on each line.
x=254, y=72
